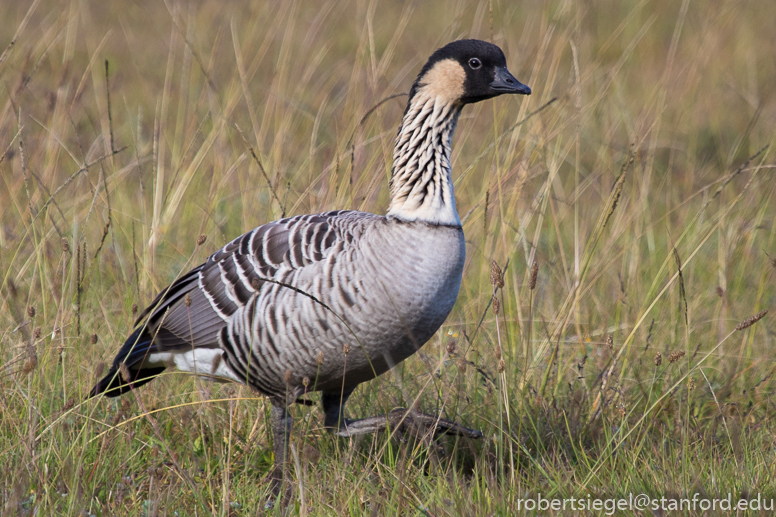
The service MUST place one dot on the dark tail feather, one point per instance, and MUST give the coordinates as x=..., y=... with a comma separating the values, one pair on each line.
x=113, y=385
x=132, y=353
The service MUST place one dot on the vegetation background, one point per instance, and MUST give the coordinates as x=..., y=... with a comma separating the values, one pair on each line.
x=636, y=177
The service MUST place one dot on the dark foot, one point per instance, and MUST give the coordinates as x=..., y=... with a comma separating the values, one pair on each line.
x=406, y=421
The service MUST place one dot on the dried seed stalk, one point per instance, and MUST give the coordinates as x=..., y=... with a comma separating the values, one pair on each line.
x=534, y=276
x=751, y=321
x=496, y=276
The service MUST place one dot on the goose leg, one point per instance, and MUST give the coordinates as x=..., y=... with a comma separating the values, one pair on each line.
x=332, y=408
x=281, y=422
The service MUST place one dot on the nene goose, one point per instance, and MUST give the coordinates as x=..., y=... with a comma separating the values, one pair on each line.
x=325, y=302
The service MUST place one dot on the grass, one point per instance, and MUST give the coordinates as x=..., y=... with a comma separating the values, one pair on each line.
x=637, y=178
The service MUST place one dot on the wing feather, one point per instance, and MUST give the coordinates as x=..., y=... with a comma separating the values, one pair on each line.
x=196, y=308
x=215, y=305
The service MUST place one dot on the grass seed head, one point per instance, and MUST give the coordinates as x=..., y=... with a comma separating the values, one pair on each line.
x=658, y=359
x=751, y=321
x=65, y=245
x=287, y=377
x=306, y=381
x=610, y=343
x=93, y=339
x=346, y=349
x=124, y=370
x=620, y=182
x=496, y=276
x=255, y=283
x=319, y=359
x=134, y=310
x=36, y=333
x=31, y=363
x=451, y=346
x=691, y=383
x=187, y=300
x=496, y=306
x=501, y=366
x=31, y=311
x=720, y=292
x=99, y=369
x=675, y=356
x=534, y=276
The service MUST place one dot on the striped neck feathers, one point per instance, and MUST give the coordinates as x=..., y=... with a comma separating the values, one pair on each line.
x=421, y=185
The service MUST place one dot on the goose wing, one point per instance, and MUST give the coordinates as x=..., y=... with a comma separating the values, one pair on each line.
x=194, y=309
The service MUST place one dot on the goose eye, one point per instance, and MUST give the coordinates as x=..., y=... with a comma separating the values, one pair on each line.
x=475, y=63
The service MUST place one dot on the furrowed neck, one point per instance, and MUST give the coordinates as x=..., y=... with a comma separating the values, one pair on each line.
x=421, y=185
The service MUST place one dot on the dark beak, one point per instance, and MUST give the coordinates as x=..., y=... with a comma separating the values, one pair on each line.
x=504, y=82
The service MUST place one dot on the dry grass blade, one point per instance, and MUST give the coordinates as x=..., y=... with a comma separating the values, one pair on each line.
x=263, y=172
x=744, y=166
x=19, y=31
x=351, y=146
x=107, y=99
x=682, y=292
x=614, y=198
